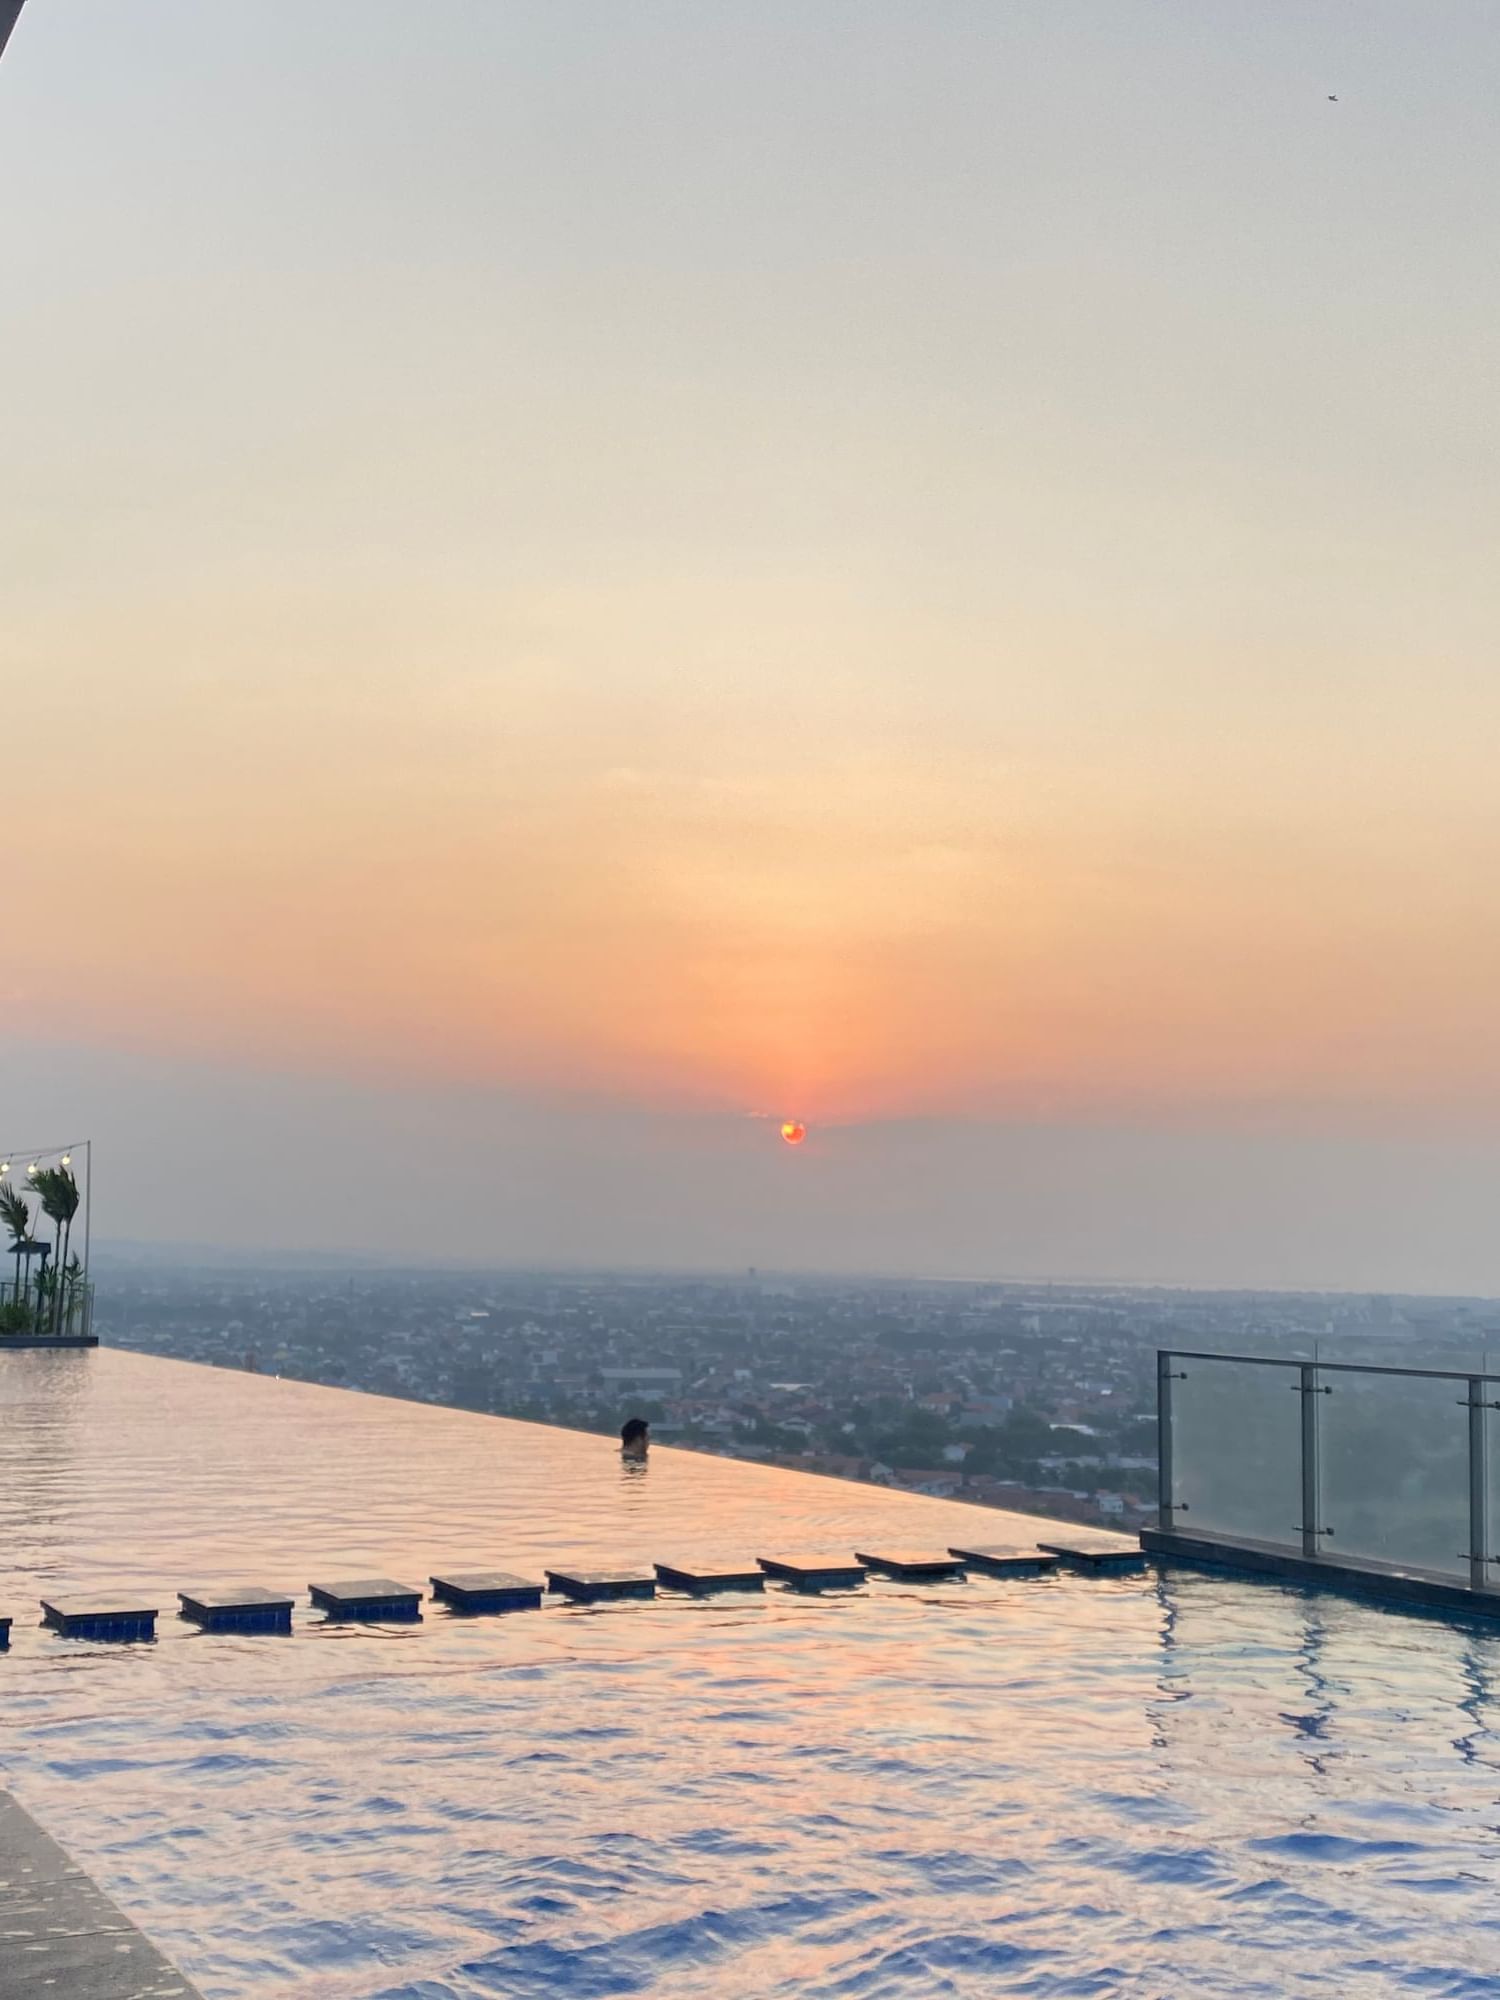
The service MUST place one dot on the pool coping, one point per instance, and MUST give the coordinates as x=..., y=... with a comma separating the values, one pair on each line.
x=1387, y=1582
x=59, y=1926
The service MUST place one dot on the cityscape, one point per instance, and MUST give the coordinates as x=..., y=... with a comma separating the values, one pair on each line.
x=1040, y=1398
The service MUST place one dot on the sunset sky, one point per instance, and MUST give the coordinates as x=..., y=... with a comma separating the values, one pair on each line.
x=576, y=570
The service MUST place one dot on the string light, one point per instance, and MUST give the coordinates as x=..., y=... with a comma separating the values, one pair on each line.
x=39, y=1165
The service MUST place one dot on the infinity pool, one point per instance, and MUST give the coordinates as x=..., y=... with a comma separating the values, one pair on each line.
x=1163, y=1785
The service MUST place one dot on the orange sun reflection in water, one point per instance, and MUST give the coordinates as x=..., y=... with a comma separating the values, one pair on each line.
x=793, y=1133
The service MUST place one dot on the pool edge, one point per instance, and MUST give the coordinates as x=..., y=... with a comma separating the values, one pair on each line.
x=59, y=1925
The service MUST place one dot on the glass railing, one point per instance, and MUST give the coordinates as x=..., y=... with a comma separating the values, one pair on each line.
x=1346, y=1461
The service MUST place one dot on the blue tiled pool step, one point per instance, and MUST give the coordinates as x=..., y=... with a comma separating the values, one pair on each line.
x=913, y=1565
x=700, y=1578
x=482, y=1591
x=1091, y=1551
x=368, y=1598
x=591, y=1586
x=249, y=1609
x=100, y=1617
x=1008, y=1559
x=814, y=1572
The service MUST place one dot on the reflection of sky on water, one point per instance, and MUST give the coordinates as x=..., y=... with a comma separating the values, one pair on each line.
x=1166, y=1784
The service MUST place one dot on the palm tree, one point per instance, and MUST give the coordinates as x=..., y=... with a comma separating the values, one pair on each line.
x=58, y=1193
x=74, y=1300
x=16, y=1217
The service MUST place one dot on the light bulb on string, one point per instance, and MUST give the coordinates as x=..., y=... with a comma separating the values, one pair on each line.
x=67, y=1159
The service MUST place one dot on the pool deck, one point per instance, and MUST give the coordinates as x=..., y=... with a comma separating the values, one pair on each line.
x=62, y=1935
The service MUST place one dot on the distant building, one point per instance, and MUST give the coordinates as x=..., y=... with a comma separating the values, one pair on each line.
x=641, y=1381
x=937, y=1484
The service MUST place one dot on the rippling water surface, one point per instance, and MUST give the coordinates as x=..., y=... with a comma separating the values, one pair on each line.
x=1162, y=1785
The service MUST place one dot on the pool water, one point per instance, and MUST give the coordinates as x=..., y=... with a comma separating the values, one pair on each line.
x=1158, y=1785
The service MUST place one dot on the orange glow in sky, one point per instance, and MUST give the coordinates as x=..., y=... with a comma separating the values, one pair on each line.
x=985, y=650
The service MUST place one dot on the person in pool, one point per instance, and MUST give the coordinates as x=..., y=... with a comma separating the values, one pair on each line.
x=635, y=1437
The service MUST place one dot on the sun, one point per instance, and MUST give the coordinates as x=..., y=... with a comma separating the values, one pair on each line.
x=793, y=1132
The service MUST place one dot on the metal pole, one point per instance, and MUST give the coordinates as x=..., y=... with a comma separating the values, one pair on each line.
x=1479, y=1486
x=1163, y=1437
x=9, y=13
x=1311, y=1483
x=88, y=1201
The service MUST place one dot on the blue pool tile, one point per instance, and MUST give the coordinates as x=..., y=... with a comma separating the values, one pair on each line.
x=1091, y=1550
x=1008, y=1559
x=588, y=1586
x=478, y=1592
x=100, y=1617
x=914, y=1565
x=703, y=1577
x=367, y=1598
x=248, y=1609
x=815, y=1572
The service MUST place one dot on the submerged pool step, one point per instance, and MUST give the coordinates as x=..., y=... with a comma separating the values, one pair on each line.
x=367, y=1598
x=1009, y=1559
x=700, y=1578
x=592, y=1586
x=913, y=1565
x=118, y=1615
x=247, y=1609
x=479, y=1592
x=101, y=1615
x=815, y=1572
x=1087, y=1550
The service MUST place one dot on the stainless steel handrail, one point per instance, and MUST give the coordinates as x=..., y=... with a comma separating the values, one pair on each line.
x=1311, y=1528
x=1328, y=1367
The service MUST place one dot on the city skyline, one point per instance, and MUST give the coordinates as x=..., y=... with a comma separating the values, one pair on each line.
x=584, y=575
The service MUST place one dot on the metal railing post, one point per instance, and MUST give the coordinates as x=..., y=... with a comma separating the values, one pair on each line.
x=1163, y=1437
x=1479, y=1486
x=1312, y=1525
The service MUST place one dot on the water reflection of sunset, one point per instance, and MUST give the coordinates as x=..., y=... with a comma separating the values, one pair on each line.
x=940, y=1787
